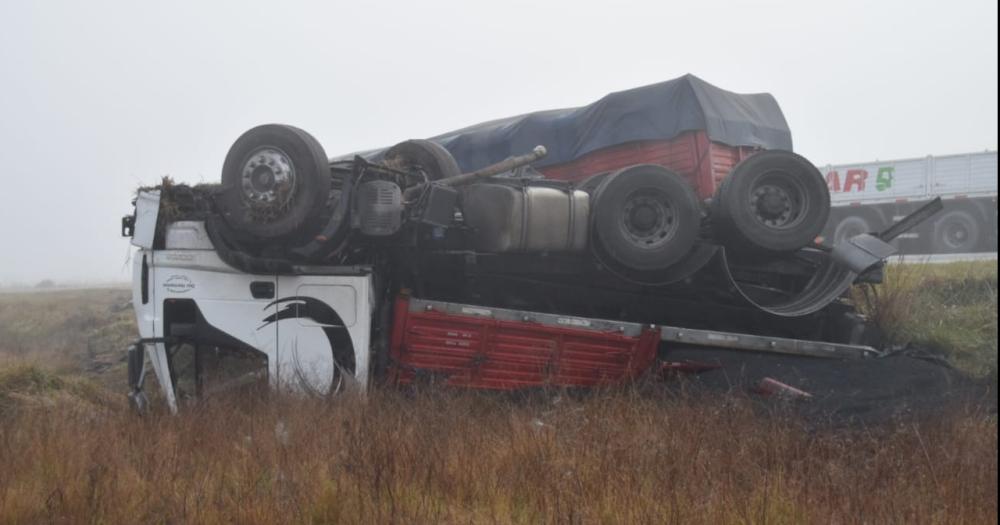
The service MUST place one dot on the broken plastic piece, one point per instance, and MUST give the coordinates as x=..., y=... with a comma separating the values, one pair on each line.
x=772, y=387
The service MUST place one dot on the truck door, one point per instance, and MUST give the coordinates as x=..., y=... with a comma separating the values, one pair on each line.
x=221, y=320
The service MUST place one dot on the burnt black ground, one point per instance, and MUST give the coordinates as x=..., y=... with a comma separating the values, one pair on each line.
x=847, y=392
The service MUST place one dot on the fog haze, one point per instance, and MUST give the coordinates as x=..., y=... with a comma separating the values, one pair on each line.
x=98, y=97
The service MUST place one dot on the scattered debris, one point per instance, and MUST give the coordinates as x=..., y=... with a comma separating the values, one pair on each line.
x=772, y=387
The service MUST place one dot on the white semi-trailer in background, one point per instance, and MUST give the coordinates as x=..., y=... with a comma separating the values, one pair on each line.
x=868, y=196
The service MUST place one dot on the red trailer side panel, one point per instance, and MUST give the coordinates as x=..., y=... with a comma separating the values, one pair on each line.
x=474, y=352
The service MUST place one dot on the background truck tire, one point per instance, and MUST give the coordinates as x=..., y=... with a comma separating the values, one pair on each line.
x=429, y=156
x=855, y=222
x=957, y=231
x=645, y=217
x=774, y=202
x=274, y=178
x=851, y=226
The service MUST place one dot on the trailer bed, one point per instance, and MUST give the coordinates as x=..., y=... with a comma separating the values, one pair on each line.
x=481, y=347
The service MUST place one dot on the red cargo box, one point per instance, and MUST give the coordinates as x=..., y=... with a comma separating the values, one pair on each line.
x=478, y=351
x=692, y=155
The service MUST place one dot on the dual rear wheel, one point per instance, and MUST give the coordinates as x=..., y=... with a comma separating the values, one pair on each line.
x=647, y=218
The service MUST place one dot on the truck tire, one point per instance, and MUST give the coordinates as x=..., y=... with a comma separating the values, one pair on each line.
x=275, y=177
x=645, y=217
x=591, y=183
x=956, y=232
x=424, y=155
x=862, y=221
x=987, y=218
x=774, y=202
x=850, y=226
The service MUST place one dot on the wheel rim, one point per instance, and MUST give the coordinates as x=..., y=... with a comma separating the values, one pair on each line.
x=267, y=179
x=778, y=200
x=648, y=218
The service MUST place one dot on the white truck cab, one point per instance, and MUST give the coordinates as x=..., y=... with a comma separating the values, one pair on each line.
x=311, y=331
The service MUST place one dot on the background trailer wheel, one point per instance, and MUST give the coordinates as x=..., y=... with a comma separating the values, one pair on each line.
x=774, y=202
x=645, y=217
x=849, y=227
x=274, y=178
x=957, y=231
x=856, y=222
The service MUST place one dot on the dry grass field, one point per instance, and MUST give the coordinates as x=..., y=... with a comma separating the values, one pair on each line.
x=70, y=452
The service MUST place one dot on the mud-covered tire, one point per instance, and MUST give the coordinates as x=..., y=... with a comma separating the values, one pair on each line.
x=424, y=155
x=774, y=202
x=645, y=217
x=279, y=161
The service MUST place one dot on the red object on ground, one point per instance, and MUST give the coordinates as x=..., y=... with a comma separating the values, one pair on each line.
x=485, y=353
x=769, y=386
x=702, y=162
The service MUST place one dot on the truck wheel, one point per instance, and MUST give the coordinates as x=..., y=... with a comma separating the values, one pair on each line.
x=849, y=227
x=956, y=232
x=273, y=179
x=867, y=221
x=424, y=155
x=774, y=202
x=591, y=183
x=645, y=217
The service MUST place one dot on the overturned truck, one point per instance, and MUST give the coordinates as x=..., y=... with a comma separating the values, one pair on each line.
x=567, y=248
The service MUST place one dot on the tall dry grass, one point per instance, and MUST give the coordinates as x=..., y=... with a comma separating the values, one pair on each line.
x=432, y=457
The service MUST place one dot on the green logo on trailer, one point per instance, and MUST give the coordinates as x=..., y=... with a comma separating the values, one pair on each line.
x=883, y=180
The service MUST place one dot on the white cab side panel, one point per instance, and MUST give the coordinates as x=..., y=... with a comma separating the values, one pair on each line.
x=307, y=344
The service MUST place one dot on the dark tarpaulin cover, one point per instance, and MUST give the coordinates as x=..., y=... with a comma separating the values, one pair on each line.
x=655, y=112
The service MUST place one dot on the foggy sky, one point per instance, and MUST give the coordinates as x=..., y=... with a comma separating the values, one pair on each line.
x=98, y=97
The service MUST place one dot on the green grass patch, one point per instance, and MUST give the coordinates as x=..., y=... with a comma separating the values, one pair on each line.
x=950, y=309
x=25, y=386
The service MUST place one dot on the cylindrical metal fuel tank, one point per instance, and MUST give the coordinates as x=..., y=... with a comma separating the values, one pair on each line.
x=512, y=218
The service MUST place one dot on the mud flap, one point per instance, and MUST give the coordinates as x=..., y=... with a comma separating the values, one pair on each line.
x=839, y=269
x=832, y=279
